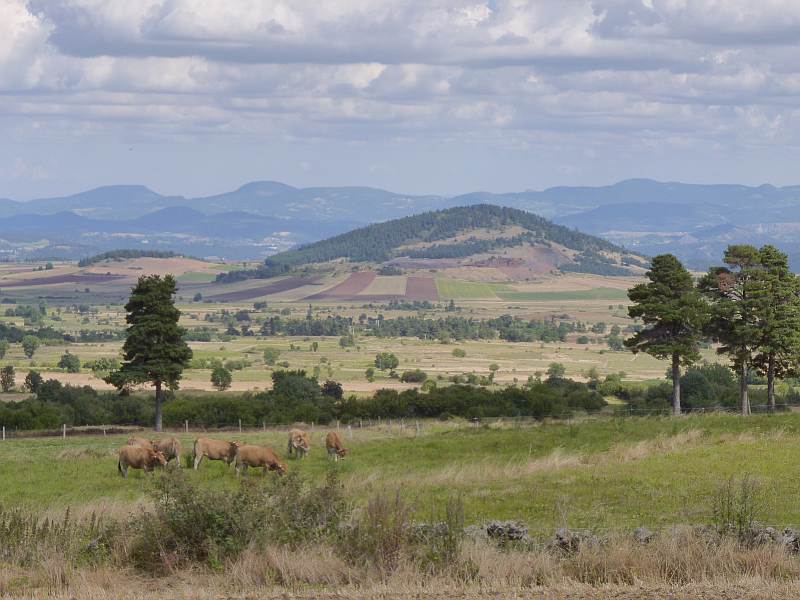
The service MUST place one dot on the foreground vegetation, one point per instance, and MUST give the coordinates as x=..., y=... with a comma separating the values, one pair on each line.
x=408, y=503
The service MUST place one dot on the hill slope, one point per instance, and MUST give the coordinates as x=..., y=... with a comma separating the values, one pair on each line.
x=478, y=235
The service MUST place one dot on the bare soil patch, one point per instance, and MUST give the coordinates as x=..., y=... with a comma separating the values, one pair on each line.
x=421, y=288
x=348, y=289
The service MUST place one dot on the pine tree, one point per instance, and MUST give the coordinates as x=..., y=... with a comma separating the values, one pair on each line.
x=674, y=314
x=779, y=319
x=155, y=350
x=735, y=293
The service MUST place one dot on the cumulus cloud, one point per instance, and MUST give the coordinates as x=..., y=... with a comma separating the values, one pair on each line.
x=509, y=73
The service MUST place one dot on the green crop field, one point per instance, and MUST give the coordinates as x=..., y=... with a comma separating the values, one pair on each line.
x=605, y=473
x=467, y=290
x=593, y=294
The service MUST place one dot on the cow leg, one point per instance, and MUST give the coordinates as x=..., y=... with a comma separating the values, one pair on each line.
x=197, y=460
x=178, y=458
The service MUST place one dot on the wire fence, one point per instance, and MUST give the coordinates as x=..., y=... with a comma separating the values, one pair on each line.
x=405, y=425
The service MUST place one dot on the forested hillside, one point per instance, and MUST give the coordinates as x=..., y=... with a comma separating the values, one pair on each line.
x=384, y=241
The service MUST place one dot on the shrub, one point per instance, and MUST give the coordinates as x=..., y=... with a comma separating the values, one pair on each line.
x=221, y=378
x=7, y=378
x=415, y=376
x=70, y=363
x=459, y=352
x=736, y=504
x=33, y=381
x=380, y=535
x=271, y=355
x=29, y=345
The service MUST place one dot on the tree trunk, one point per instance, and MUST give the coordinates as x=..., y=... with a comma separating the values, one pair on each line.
x=158, y=406
x=771, y=383
x=743, y=390
x=676, y=384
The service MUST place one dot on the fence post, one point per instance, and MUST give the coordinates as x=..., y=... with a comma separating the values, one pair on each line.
x=350, y=431
x=4, y=433
x=263, y=425
x=186, y=425
x=417, y=427
x=64, y=431
x=337, y=424
x=360, y=424
x=240, y=426
x=104, y=431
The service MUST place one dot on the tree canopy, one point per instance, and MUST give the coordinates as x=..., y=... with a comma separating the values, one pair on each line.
x=154, y=350
x=673, y=313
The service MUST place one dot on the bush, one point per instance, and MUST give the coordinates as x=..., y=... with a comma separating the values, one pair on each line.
x=459, y=352
x=193, y=524
x=380, y=535
x=415, y=376
x=7, y=378
x=221, y=378
x=70, y=363
x=33, y=382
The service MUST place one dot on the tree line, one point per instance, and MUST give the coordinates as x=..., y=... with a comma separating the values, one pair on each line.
x=749, y=306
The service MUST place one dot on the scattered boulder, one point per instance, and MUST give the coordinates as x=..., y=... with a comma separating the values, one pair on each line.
x=568, y=540
x=643, y=535
x=507, y=531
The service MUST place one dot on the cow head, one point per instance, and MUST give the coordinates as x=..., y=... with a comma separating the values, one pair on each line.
x=280, y=468
x=158, y=458
x=234, y=448
x=342, y=452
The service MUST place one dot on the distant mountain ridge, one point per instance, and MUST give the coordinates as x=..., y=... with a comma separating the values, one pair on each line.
x=694, y=221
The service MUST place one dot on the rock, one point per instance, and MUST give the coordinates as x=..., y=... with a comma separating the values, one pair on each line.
x=570, y=541
x=643, y=535
x=507, y=531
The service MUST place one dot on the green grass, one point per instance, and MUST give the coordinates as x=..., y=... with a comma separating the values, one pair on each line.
x=593, y=294
x=601, y=473
x=197, y=277
x=468, y=290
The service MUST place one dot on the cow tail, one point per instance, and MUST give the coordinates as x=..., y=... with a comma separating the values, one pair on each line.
x=119, y=465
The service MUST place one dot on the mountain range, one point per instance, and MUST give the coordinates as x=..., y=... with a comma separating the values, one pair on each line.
x=260, y=218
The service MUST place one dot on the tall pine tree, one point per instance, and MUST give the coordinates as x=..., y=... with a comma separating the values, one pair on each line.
x=155, y=350
x=674, y=315
x=779, y=319
x=735, y=291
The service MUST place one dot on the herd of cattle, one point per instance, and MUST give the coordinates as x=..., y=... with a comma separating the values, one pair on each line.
x=141, y=453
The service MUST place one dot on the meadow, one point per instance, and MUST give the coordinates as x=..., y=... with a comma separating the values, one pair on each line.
x=602, y=474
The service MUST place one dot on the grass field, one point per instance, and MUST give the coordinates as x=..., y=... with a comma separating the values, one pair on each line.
x=593, y=294
x=467, y=290
x=601, y=474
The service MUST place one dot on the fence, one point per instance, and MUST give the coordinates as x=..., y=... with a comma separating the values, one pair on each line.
x=399, y=425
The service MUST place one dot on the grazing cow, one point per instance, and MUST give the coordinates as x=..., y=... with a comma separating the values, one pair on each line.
x=214, y=450
x=140, y=442
x=139, y=458
x=336, y=449
x=299, y=443
x=170, y=447
x=258, y=456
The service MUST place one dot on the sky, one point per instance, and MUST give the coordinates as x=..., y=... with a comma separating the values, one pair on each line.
x=197, y=97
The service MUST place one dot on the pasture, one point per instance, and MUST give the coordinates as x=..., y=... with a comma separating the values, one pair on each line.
x=604, y=474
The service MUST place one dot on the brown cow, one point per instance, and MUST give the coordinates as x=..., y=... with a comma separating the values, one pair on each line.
x=170, y=447
x=299, y=443
x=139, y=458
x=336, y=449
x=214, y=450
x=140, y=442
x=258, y=456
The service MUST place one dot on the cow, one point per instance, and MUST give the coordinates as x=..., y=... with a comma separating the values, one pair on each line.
x=214, y=450
x=258, y=456
x=170, y=448
x=299, y=443
x=336, y=449
x=140, y=442
x=139, y=458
